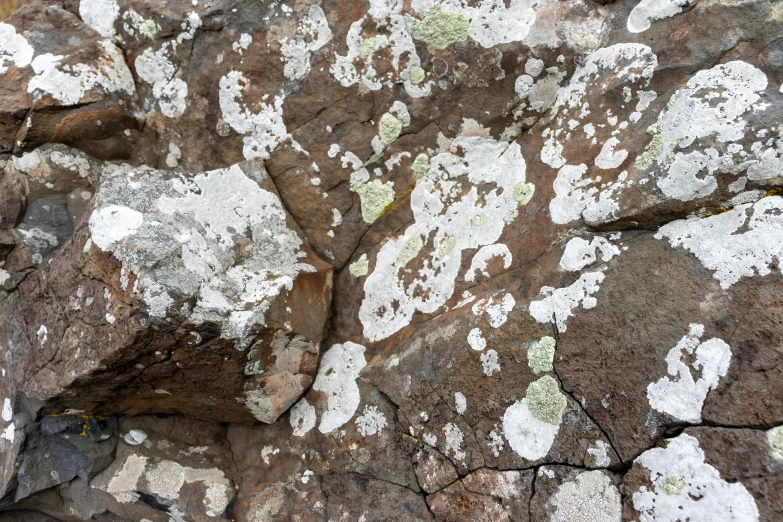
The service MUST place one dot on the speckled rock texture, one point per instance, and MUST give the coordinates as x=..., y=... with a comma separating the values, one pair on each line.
x=391, y=260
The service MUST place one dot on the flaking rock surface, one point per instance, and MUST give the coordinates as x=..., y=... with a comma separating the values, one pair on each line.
x=391, y=260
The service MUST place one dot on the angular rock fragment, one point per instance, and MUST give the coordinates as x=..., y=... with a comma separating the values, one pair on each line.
x=194, y=296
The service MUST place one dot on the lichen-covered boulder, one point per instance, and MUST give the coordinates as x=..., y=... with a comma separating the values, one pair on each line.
x=196, y=296
x=63, y=82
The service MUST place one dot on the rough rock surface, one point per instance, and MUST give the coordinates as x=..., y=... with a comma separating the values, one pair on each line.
x=373, y=260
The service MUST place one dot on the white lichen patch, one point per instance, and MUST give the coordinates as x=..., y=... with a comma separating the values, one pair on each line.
x=496, y=308
x=475, y=176
x=600, y=454
x=312, y=33
x=69, y=83
x=529, y=437
x=135, y=437
x=453, y=441
x=384, y=28
x=745, y=241
x=337, y=374
x=709, y=111
x=179, y=238
x=264, y=130
x=371, y=421
x=589, y=497
x=476, y=339
x=302, y=417
x=491, y=22
x=100, y=15
x=489, y=362
x=680, y=395
x=580, y=253
x=14, y=49
x=558, y=304
x=157, y=69
x=648, y=11
x=775, y=441
x=684, y=487
x=123, y=485
x=479, y=261
x=460, y=403
x=579, y=194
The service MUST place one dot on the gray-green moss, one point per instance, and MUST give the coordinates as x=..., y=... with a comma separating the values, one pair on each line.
x=359, y=267
x=410, y=250
x=420, y=165
x=673, y=485
x=652, y=150
x=545, y=400
x=389, y=128
x=540, y=356
x=523, y=192
x=439, y=29
x=367, y=47
x=447, y=245
x=417, y=74
x=375, y=196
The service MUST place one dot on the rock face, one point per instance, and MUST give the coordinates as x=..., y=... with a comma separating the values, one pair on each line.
x=383, y=260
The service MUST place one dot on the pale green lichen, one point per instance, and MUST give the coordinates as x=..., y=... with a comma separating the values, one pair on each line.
x=375, y=196
x=420, y=165
x=417, y=74
x=440, y=28
x=775, y=440
x=523, y=192
x=366, y=47
x=447, y=245
x=479, y=220
x=540, y=356
x=652, y=150
x=359, y=267
x=673, y=485
x=410, y=250
x=87, y=246
x=389, y=128
x=545, y=400
x=148, y=28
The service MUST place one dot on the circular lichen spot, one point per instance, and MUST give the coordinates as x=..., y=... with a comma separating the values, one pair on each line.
x=523, y=192
x=447, y=245
x=441, y=28
x=479, y=220
x=545, y=400
x=359, y=267
x=540, y=356
x=366, y=47
x=389, y=128
x=420, y=165
x=672, y=485
x=417, y=74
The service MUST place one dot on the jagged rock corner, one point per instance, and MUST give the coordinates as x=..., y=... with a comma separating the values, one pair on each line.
x=391, y=260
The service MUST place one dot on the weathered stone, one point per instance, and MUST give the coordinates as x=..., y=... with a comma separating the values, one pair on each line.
x=209, y=304
x=554, y=228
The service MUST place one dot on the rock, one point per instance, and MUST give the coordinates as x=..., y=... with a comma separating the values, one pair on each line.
x=383, y=260
x=65, y=83
x=187, y=314
x=735, y=471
